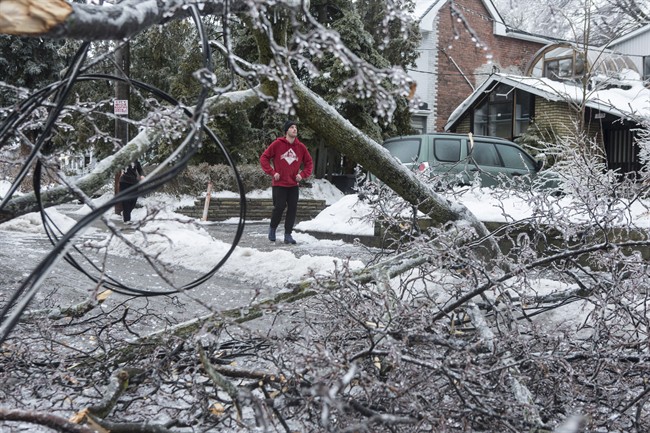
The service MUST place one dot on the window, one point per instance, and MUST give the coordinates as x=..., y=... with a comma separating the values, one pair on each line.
x=405, y=150
x=566, y=68
x=500, y=111
x=481, y=119
x=552, y=69
x=505, y=113
x=523, y=112
x=486, y=154
x=515, y=158
x=559, y=69
x=646, y=68
x=579, y=69
x=419, y=124
x=447, y=150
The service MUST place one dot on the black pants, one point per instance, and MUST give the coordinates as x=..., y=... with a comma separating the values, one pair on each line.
x=284, y=197
x=129, y=204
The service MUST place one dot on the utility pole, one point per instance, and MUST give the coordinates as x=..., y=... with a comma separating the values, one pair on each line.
x=121, y=106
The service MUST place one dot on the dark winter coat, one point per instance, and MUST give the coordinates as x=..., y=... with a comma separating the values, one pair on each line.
x=132, y=173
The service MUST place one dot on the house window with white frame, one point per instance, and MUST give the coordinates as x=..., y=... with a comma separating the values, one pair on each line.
x=493, y=116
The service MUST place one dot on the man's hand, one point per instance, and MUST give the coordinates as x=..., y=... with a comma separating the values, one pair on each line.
x=298, y=178
x=276, y=176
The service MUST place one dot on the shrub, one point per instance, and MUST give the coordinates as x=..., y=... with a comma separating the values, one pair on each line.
x=194, y=179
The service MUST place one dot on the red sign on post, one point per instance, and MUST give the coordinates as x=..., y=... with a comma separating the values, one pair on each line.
x=121, y=106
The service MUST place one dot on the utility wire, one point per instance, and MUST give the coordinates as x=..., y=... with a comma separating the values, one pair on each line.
x=63, y=247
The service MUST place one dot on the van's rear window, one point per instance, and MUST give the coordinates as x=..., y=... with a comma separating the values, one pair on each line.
x=405, y=150
x=447, y=149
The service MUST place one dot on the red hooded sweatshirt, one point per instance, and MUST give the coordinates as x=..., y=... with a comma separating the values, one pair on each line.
x=286, y=158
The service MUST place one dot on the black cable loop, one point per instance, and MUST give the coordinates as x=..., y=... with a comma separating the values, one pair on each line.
x=20, y=299
x=53, y=115
x=151, y=185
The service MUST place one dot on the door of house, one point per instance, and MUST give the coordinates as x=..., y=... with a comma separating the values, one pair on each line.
x=622, y=152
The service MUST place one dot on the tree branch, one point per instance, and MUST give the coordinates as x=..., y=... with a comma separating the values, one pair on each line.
x=116, y=387
x=347, y=139
x=90, y=22
x=132, y=427
x=90, y=183
x=105, y=171
x=215, y=376
x=45, y=419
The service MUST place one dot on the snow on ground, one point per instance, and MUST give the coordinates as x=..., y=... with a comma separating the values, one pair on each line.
x=178, y=242
x=346, y=216
x=175, y=242
x=320, y=189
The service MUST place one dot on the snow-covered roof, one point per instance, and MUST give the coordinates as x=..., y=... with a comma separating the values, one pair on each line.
x=426, y=10
x=423, y=6
x=628, y=99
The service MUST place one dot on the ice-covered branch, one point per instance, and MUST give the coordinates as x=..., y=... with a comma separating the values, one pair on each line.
x=92, y=22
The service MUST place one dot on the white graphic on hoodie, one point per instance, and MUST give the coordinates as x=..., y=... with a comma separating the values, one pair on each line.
x=289, y=156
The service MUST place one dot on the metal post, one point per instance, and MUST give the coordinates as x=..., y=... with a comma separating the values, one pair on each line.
x=122, y=93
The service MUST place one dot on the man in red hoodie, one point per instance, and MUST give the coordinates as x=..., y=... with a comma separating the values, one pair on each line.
x=288, y=161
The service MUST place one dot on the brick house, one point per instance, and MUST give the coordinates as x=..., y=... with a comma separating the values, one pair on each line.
x=551, y=96
x=462, y=43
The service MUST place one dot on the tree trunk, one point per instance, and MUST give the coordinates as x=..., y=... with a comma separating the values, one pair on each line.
x=341, y=135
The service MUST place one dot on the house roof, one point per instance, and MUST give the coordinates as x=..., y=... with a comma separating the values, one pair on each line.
x=425, y=7
x=631, y=35
x=630, y=100
x=425, y=11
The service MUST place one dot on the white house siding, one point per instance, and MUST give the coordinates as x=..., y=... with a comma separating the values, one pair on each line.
x=636, y=45
x=426, y=69
x=425, y=76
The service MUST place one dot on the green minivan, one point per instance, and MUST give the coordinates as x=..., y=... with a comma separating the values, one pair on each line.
x=458, y=158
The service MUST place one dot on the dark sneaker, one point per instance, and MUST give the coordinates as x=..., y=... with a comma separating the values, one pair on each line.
x=271, y=234
x=288, y=239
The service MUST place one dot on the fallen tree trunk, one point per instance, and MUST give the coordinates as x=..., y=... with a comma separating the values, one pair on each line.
x=105, y=171
x=341, y=135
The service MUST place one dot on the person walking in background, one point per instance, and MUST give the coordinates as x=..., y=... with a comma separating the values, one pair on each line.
x=287, y=161
x=130, y=176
